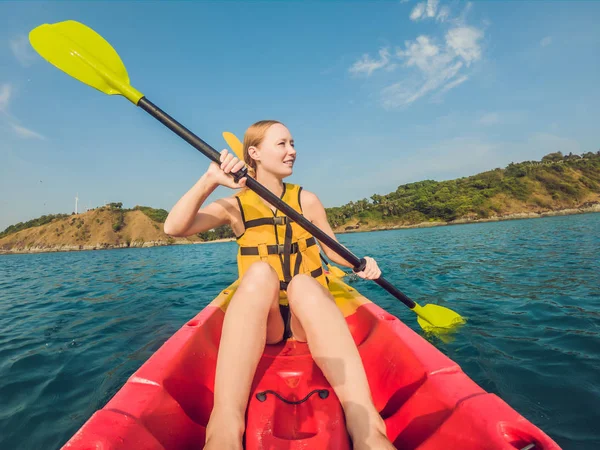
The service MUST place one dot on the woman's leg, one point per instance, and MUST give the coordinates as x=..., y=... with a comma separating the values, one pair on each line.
x=251, y=320
x=317, y=320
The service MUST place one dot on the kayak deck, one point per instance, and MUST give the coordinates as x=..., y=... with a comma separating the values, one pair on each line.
x=424, y=397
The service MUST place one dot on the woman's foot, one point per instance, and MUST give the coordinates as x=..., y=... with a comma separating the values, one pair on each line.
x=223, y=442
x=367, y=431
x=223, y=432
x=376, y=441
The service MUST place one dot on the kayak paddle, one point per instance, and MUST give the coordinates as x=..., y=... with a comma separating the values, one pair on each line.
x=86, y=56
x=429, y=317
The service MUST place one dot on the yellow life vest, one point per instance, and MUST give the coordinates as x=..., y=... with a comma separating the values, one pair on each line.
x=275, y=238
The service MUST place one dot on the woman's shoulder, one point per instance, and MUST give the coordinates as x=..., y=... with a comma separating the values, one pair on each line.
x=309, y=200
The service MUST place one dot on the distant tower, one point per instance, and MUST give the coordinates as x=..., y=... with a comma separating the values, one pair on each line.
x=76, y=200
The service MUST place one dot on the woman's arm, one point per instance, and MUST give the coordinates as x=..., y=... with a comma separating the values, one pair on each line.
x=314, y=211
x=186, y=218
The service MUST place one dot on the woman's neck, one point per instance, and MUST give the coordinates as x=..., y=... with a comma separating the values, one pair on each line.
x=271, y=182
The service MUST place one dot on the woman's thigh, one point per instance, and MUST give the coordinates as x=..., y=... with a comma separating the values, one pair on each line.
x=305, y=294
x=260, y=284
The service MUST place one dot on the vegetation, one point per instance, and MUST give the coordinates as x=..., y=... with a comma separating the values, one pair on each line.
x=566, y=180
x=222, y=232
x=83, y=232
x=32, y=223
x=119, y=220
x=158, y=215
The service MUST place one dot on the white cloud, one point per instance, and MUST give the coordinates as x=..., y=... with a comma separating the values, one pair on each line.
x=487, y=119
x=5, y=93
x=454, y=83
x=22, y=50
x=461, y=20
x=438, y=68
x=422, y=53
x=418, y=11
x=26, y=133
x=399, y=94
x=443, y=14
x=432, y=65
x=464, y=42
x=429, y=10
x=546, y=41
x=368, y=66
x=406, y=92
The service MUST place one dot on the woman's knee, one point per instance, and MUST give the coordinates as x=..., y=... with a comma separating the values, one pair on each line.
x=261, y=278
x=260, y=269
x=260, y=272
x=305, y=291
x=303, y=283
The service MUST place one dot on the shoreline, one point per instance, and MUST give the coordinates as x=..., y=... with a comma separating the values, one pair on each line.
x=83, y=248
x=515, y=216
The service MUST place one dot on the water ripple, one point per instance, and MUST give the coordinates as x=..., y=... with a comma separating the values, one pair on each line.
x=75, y=326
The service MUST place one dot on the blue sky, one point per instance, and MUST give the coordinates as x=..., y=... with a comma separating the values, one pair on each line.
x=376, y=94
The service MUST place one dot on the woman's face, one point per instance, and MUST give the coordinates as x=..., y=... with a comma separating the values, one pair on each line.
x=276, y=153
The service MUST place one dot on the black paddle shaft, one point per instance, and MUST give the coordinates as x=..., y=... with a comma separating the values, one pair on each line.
x=251, y=183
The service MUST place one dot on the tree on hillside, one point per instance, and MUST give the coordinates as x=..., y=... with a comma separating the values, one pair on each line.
x=376, y=199
x=553, y=157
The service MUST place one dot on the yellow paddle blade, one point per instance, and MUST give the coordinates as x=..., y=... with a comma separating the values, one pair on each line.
x=435, y=318
x=234, y=144
x=82, y=53
x=336, y=271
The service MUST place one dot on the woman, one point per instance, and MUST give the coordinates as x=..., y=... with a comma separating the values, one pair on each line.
x=269, y=274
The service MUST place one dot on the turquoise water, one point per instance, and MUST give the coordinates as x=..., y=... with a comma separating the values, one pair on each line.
x=74, y=326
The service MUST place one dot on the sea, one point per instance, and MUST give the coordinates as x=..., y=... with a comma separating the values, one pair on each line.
x=74, y=326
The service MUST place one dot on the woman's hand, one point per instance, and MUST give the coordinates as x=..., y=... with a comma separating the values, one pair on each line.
x=220, y=174
x=372, y=270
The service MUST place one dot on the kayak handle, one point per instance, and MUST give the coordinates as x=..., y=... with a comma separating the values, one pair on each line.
x=262, y=396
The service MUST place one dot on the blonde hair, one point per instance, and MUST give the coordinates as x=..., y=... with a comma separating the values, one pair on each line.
x=253, y=138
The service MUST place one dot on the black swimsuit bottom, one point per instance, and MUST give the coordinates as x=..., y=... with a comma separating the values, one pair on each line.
x=287, y=320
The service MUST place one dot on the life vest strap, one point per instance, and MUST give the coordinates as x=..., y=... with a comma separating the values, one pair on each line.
x=275, y=249
x=278, y=220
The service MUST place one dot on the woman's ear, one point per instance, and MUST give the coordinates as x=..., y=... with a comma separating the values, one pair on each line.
x=254, y=153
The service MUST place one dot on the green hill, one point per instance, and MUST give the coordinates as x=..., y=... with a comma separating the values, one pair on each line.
x=557, y=182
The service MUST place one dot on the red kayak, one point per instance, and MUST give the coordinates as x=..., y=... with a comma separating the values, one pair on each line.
x=424, y=397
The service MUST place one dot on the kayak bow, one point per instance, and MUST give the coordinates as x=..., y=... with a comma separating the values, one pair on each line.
x=426, y=400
